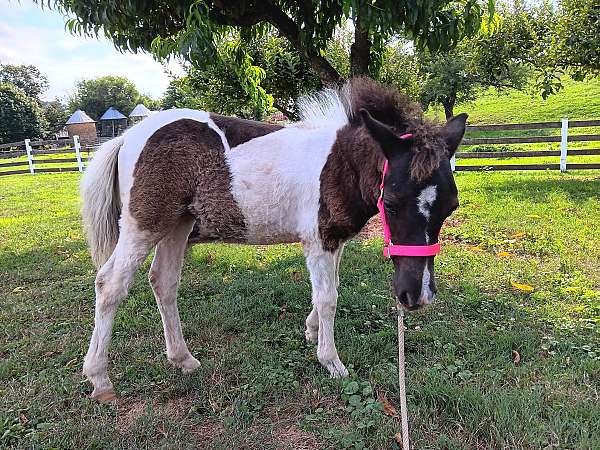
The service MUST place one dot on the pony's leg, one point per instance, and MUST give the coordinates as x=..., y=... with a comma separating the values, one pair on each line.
x=164, y=277
x=312, y=321
x=112, y=285
x=322, y=267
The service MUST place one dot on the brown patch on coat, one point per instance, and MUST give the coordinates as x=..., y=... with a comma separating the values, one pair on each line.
x=390, y=107
x=349, y=186
x=237, y=131
x=182, y=170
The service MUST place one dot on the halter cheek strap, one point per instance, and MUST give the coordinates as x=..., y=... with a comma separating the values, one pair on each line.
x=390, y=249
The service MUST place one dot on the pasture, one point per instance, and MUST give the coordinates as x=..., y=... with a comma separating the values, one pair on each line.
x=489, y=365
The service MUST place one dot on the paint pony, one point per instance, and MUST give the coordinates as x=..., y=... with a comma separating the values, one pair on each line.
x=183, y=176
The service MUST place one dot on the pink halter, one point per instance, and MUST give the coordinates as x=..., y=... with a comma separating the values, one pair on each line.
x=390, y=249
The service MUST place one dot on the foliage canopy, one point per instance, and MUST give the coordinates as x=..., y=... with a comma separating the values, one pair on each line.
x=28, y=78
x=21, y=116
x=95, y=96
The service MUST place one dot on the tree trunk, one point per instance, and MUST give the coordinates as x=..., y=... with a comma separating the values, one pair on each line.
x=448, y=104
x=360, y=51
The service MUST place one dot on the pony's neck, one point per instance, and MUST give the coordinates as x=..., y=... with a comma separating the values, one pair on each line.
x=349, y=184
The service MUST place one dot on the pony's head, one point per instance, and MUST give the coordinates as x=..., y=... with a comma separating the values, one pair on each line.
x=419, y=188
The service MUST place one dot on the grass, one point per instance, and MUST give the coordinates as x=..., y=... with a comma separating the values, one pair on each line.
x=260, y=385
x=577, y=101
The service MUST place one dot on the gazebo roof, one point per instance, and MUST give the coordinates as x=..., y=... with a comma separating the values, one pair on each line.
x=79, y=116
x=140, y=111
x=112, y=114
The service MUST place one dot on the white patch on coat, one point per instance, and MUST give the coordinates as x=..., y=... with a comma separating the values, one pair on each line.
x=276, y=183
x=134, y=140
x=425, y=199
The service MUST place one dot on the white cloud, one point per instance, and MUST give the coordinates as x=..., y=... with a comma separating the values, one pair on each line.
x=30, y=35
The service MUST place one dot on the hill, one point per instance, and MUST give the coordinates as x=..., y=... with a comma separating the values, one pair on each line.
x=576, y=101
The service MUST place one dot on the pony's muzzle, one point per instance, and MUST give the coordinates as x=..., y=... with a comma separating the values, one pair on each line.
x=410, y=304
x=414, y=284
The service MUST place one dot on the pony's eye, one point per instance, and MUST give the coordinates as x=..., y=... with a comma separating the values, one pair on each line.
x=391, y=208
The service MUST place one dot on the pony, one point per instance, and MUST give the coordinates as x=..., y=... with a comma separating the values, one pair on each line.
x=183, y=176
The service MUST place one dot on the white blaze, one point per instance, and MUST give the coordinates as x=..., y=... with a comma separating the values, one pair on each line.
x=424, y=202
x=426, y=199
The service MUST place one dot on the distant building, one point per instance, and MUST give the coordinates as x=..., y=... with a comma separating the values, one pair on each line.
x=112, y=123
x=140, y=112
x=82, y=125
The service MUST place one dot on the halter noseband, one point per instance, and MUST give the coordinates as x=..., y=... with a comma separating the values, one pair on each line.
x=390, y=249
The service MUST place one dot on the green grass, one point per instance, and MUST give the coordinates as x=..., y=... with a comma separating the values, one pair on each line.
x=261, y=386
x=577, y=101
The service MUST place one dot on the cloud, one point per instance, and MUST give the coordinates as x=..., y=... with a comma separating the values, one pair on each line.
x=30, y=35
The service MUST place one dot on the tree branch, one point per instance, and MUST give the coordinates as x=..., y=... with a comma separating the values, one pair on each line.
x=289, y=29
x=289, y=114
x=360, y=51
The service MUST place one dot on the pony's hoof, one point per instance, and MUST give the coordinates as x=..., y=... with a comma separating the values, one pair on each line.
x=336, y=368
x=188, y=365
x=312, y=336
x=106, y=396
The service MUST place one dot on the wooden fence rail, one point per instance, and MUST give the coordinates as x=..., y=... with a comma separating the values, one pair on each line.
x=563, y=153
x=34, y=149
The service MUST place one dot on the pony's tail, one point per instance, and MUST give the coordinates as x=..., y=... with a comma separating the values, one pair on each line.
x=101, y=206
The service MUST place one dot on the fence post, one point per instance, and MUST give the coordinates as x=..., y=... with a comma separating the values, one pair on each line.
x=563, y=144
x=453, y=163
x=29, y=155
x=78, y=152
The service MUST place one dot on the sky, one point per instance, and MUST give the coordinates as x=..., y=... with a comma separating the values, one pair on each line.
x=32, y=35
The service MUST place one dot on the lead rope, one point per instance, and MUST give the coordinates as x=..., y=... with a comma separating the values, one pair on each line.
x=402, y=379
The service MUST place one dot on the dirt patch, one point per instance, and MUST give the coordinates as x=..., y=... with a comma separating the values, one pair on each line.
x=207, y=433
x=128, y=413
x=372, y=229
x=293, y=437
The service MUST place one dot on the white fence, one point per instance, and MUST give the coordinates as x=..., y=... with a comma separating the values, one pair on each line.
x=45, y=156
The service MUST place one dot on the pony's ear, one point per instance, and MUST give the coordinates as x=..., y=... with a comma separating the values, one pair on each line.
x=387, y=138
x=453, y=132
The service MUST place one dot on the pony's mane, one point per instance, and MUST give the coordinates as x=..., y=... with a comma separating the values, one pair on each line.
x=325, y=108
x=341, y=107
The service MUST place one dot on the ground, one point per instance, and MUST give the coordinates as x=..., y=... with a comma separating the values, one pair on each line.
x=507, y=357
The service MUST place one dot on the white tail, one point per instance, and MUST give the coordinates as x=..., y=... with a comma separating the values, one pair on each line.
x=101, y=207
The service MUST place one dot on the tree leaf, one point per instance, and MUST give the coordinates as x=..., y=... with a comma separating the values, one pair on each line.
x=388, y=408
x=516, y=357
x=522, y=287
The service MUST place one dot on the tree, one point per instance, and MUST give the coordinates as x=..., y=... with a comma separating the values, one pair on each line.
x=217, y=88
x=97, y=95
x=151, y=103
x=56, y=115
x=21, y=117
x=551, y=41
x=577, y=43
x=27, y=78
x=492, y=58
x=194, y=29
